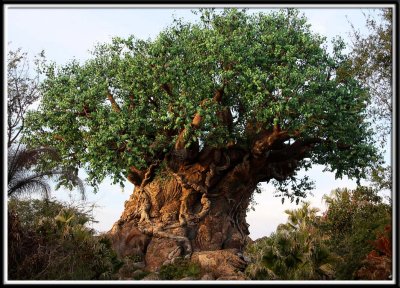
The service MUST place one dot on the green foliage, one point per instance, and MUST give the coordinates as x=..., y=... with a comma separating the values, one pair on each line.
x=127, y=105
x=293, y=188
x=381, y=177
x=51, y=241
x=181, y=268
x=352, y=240
x=296, y=251
x=352, y=221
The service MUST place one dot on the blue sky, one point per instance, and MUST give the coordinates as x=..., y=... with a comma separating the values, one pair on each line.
x=67, y=33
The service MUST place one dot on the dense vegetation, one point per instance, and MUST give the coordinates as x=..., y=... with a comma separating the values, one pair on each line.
x=262, y=84
x=350, y=240
x=51, y=241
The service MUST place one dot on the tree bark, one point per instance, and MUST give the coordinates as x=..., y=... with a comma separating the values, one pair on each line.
x=184, y=207
x=197, y=207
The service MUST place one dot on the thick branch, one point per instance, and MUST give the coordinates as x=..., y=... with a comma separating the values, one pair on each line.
x=267, y=139
x=114, y=104
x=131, y=102
x=58, y=137
x=293, y=151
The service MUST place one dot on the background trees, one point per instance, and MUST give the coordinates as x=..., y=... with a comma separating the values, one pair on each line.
x=351, y=240
x=354, y=219
x=25, y=175
x=372, y=63
x=296, y=251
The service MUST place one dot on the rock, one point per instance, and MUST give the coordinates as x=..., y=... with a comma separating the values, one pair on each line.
x=152, y=276
x=207, y=277
x=187, y=278
x=158, y=252
x=137, y=274
x=232, y=277
x=139, y=265
x=220, y=263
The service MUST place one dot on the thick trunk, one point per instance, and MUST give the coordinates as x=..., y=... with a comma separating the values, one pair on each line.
x=195, y=205
x=198, y=207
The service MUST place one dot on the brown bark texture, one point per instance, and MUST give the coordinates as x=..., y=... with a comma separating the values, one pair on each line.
x=194, y=203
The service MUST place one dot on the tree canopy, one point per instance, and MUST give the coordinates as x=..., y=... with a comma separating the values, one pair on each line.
x=262, y=82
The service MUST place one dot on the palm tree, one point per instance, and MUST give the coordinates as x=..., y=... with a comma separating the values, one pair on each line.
x=23, y=178
x=295, y=251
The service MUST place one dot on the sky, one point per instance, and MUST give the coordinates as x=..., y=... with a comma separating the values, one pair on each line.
x=70, y=32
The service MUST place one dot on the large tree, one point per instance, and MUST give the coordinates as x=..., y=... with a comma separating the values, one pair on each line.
x=197, y=117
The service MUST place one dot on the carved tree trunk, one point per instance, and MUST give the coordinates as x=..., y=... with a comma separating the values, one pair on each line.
x=187, y=208
x=197, y=207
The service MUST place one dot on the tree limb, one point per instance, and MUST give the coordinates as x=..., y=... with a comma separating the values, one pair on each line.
x=114, y=104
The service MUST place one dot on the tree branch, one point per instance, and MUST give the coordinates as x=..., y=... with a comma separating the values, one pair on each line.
x=114, y=104
x=293, y=151
x=268, y=138
x=131, y=103
x=135, y=176
x=196, y=121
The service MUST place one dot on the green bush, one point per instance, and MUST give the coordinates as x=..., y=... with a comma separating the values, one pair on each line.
x=51, y=241
x=181, y=268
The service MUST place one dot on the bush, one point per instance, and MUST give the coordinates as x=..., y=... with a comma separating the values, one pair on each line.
x=181, y=268
x=51, y=241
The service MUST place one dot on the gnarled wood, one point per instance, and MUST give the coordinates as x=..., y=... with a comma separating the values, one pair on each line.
x=196, y=207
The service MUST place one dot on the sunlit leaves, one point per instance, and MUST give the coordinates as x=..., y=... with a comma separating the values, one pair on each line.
x=271, y=68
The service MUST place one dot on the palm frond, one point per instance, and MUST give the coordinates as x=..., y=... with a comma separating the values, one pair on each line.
x=28, y=185
x=23, y=179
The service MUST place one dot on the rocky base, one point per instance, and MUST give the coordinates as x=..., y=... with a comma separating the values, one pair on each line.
x=228, y=264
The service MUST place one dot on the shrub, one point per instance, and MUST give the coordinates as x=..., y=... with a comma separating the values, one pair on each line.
x=181, y=268
x=51, y=241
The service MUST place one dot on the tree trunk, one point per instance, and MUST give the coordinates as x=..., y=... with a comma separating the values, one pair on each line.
x=185, y=211
x=195, y=204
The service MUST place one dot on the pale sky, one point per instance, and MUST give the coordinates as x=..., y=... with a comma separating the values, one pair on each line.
x=66, y=33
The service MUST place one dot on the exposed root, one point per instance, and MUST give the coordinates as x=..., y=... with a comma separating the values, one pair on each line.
x=219, y=169
x=182, y=240
x=206, y=205
x=144, y=197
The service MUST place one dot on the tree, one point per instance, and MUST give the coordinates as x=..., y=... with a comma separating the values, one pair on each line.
x=196, y=118
x=23, y=92
x=372, y=64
